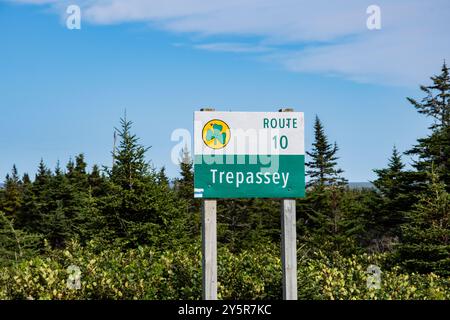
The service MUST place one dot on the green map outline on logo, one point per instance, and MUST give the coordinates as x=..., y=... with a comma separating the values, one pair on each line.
x=218, y=133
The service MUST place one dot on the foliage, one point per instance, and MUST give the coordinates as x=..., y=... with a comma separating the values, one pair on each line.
x=184, y=187
x=434, y=150
x=425, y=245
x=146, y=273
x=12, y=194
x=336, y=277
x=15, y=245
x=322, y=166
x=398, y=193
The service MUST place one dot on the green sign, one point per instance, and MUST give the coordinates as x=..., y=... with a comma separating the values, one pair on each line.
x=249, y=155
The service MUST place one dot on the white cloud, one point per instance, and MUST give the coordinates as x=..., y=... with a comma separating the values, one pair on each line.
x=34, y=1
x=232, y=47
x=407, y=51
x=409, y=47
x=282, y=20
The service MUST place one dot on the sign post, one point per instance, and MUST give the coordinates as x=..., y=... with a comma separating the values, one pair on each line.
x=249, y=155
x=289, y=245
x=209, y=246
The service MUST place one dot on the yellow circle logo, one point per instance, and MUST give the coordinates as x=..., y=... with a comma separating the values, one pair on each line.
x=216, y=134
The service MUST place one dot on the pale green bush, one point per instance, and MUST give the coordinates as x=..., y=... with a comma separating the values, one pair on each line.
x=144, y=273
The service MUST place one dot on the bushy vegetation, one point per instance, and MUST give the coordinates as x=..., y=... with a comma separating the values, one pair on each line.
x=135, y=234
x=143, y=273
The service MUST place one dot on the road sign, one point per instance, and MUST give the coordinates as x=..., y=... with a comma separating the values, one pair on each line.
x=249, y=155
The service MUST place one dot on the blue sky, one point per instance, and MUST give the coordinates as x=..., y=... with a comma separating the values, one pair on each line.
x=63, y=91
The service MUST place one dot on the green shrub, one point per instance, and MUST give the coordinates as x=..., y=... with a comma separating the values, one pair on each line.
x=145, y=273
x=345, y=278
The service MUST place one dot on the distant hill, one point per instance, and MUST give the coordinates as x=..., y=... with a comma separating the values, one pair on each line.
x=361, y=185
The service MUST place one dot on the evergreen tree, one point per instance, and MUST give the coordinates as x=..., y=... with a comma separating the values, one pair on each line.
x=15, y=244
x=77, y=205
x=56, y=226
x=185, y=189
x=43, y=177
x=162, y=178
x=137, y=209
x=12, y=194
x=36, y=201
x=246, y=223
x=130, y=166
x=436, y=104
x=185, y=185
x=324, y=221
x=233, y=222
x=49, y=206
x=76, y=173
x=396, y=188
x=322, y=166
x=26, y=181
x=434, y=150
x=70, y=168
x=89, y=223
x=327, y=219
x=363, y=225
x=425, y=243
x=388, y=179
x=97, y=182
x=74, y=191
x=80, y=164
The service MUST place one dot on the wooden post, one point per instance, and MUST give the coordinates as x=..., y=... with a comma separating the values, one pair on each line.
x=289, y=249
x=209, y=246
x=289, y=245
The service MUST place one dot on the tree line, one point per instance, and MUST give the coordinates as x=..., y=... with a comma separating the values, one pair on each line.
x=133, y=204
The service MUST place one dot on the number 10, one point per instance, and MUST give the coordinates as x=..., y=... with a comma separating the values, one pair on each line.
x=283, y=142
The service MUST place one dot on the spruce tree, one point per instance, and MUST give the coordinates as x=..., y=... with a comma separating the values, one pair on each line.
x=130, y=166
x=120, y=205
x=436, y=103
x=80, y=164
x=74, y=191
x=26, y=181
x=36, y=201
x=42, y=178
x=86, y=190
x=54, y=204
x=12, y=194
x=185, y=189
x=396, y=188
x=362, y=211
x=425, y=243
x=324, y=222
x=248, y=223
x=56, y=226
x=322, y=168
x=162, y=178
x=97, y=182
x=185, y=184
x=70, y=168
x=15, y=244
x=76, y=173
x=388, y=178
x=434, y=150
x=137, y=209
